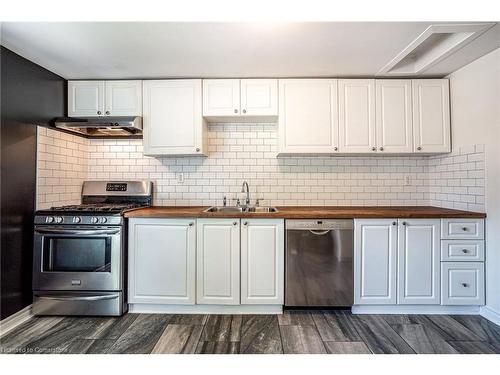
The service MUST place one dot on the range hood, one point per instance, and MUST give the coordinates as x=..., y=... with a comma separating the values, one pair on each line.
x=101, y=126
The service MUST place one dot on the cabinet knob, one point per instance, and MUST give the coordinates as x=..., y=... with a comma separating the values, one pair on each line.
x=107, y=112
x=464, y=229
x=244, y=111
x=374, y=149
x=197, y=149
x=98, y=112
x=465, y=285
x=235, y=223
x=465, y=251
x=404, y=223
x=245, y=223
x=381, y=149
x=394, y=223
x=235, y=111
x=191, y=224
x=419, y=148
x=335, y=149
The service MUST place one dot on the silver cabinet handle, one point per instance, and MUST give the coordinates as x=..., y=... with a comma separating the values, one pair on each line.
x=197, y=149
x=235, y=111
x=335, y=148
x=394, y=223
x=245, y=223
x=464, y=229
x=191, y=224
x=465, y=251
x=235, y=223
x=404, y=223
x=465, y=285
x=244, y=111
x=374, y=149
x=107, y=112
x=98, y=112
x=419, y=148
x=381, y=149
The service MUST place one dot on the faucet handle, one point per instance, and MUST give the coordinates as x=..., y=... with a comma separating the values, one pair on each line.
x=257, y=202
x=238, y=202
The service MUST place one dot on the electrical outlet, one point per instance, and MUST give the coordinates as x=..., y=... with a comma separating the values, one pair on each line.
x=407, y=180
x=180, y=178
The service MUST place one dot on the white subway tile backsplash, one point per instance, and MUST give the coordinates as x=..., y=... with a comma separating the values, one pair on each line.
x=248, y=152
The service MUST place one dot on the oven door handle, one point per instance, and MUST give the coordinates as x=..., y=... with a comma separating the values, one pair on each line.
x=77, y=232
x=73, y=298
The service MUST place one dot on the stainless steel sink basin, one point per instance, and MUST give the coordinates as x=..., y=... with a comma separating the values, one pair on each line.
x=239, y=210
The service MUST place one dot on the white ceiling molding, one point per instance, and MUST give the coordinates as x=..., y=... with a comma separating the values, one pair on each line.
x=432, y=46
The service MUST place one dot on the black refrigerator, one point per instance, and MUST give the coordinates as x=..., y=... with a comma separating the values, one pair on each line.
x=30, y=95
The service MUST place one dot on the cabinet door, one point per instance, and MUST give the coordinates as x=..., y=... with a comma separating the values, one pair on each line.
x=218, y=261
x=259, y=97
x=262, y=261
x=172, y=119
x=419, y=261
x=85, y=98
x=375, y=254
x=308, y=120
x=462, y=283
x=431, y=115
x=394, y=116
x=123, y=98
x=357, y=115
x=221, y=97
x=162, y=255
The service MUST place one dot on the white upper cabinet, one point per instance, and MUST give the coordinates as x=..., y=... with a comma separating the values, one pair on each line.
x=239, y=100
x=308, y=118
x=221, y=97
x=394, y=116
x=375, y=254
x=419, y=261
x=85, y=98
x=162, y=257
x=431, y=115
x=123, y=98
x=259, y=97
x=357, y=115
x=172, y=120
x=104, y=98
x=218, y=261
x=262, y=261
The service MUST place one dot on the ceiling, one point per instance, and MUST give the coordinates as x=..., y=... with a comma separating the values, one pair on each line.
x=112, y=50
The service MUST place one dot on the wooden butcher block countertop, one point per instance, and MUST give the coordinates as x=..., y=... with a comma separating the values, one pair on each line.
x=332, y=212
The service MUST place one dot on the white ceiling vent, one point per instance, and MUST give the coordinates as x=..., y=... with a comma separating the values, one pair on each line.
x=433, y=45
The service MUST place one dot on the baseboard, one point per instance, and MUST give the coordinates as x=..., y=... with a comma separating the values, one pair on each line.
x=146, y=308
x=490, y=314
x=13, y=321
x=415, y=309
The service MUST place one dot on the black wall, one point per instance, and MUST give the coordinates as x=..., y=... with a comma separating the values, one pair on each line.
x=29, y=94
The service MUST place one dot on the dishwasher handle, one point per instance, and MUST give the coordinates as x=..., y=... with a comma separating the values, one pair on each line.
x=319, y=232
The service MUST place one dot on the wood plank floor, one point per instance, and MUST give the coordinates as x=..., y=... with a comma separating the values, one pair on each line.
x=294, y=332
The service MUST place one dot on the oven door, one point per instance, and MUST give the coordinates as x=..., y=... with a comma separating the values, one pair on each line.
x=72, y=258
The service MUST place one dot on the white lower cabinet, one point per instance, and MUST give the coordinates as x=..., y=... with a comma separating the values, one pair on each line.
x=262, y=261
x=218, y=261
x=375, y=247
x=419, y=261
x=462, y=283
x=161, y=261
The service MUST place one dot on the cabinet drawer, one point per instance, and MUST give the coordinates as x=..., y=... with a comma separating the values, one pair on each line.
x=462, y=283
x=462, y=250
x=472, y=229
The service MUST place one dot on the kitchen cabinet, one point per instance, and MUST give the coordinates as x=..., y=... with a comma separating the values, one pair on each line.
x=308, y=118
x=218, y=261
x=357, y=116
x=394, y=126
x=431, y=115
x=375, y=255
x=172, y=120
x=419, y=261
x=85, y=98
x=240, y=100
x=161, y=263
x=123, y=98
x=262, y=261
x=104, y=98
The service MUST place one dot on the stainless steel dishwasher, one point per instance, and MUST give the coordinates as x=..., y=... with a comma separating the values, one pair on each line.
x=319, y=263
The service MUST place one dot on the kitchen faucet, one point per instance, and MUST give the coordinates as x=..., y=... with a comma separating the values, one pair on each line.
x=247, y=200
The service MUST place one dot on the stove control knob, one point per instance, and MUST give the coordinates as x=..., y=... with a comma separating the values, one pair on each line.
x=58, y=219
x=77, y=219
x=102, y=220
x=49, y=219
x=94, y=220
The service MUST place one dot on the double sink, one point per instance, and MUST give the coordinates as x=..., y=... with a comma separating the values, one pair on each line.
x=241, y=210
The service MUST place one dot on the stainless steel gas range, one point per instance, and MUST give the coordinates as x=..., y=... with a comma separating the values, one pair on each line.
x=80, y=253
